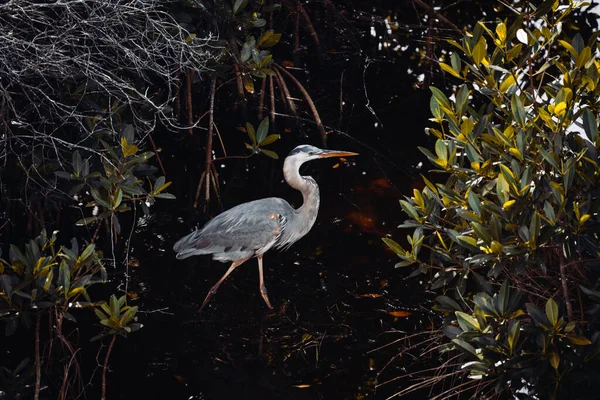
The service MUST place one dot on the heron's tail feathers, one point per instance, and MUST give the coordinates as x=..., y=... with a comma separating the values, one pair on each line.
x=192, y=245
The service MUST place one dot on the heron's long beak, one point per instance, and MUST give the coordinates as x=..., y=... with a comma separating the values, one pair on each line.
x=335, y=153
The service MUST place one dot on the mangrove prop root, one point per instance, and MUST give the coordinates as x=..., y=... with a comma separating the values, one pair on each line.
x=105, y=366
x=209, y=169
x=310, y=102
x=285, y=93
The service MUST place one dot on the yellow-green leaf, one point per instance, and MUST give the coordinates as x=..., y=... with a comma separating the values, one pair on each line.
x=568, y=46
x=268, y=39
x=507, y=83
x=501, y=32
x=270, y=153
x=479, y=51
x=447, y=68
x=579, y=340
x=552, y=311
x=554, y=359
x=467, y=322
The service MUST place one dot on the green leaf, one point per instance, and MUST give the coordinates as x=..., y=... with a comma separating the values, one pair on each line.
x=549, y=158
x=475, y=203
x=166, y=196
x=552, y=311
x=538, y=316
x=77, y=162
x=554, y=359
x=467, y=322
x=48, y=281
x=239, y=6
x=269, y=139
x=579, y=340
x=263, y=130
x=456, y=62
x=583, y=57
x=270, y=153
x=447, y=303
x=481, y=232
x=98, y=198
x=269, y=39
x=513, y=334
x=409, y=209
x=568, y=46
x=503, y=297
x=87, y=253
x=440, y=97
x=396, y=248
x=117, y=198
x=447, y=68
x=468, y=242
x=128, y=315
x=86, y=221
x=479, y=51
x=441, y=149
x=590, y=125
x=251, y=133
x=518, y=110
x=466, y=346
x=64, y=277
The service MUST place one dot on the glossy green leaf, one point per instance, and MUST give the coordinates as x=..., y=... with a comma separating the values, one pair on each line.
x=514, y=332
x=552, y=311
x=270, y=153
x=518, y=110
x=440, y=97
x=590, y=125
x=548, y=157
x=467, y=322
x=263, y=130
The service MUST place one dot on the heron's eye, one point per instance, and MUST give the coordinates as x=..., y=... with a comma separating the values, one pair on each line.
x=310, y=153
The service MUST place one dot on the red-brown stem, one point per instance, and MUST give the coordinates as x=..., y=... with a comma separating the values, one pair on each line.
x=96, y=232
x=280, y=84
x=38, y=367
x=261, y=99
x=565, y=287
x=311, y=104
x=189, y=78
x=162, y=168
x=309, y=25
x=105, y=366
x=287, y=97
x=238, y=77
x=297, y=28
x=209, y=140
x=272, y=96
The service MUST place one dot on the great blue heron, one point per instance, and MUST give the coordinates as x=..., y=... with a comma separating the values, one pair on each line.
x=251, y=229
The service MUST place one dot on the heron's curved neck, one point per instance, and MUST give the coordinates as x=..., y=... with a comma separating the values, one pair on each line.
x=307, y=186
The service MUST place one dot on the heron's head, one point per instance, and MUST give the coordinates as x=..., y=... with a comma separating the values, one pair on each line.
x=306, y=152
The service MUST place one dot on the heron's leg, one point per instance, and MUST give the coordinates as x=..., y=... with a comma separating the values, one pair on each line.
x=213, y=289
x=263, y=288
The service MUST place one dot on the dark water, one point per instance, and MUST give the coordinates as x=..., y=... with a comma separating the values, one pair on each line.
x=332, y=293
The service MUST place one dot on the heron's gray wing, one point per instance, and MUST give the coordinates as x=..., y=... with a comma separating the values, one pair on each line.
x=239, y=232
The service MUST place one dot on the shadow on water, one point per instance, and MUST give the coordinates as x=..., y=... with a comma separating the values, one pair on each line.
x=333, y=293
